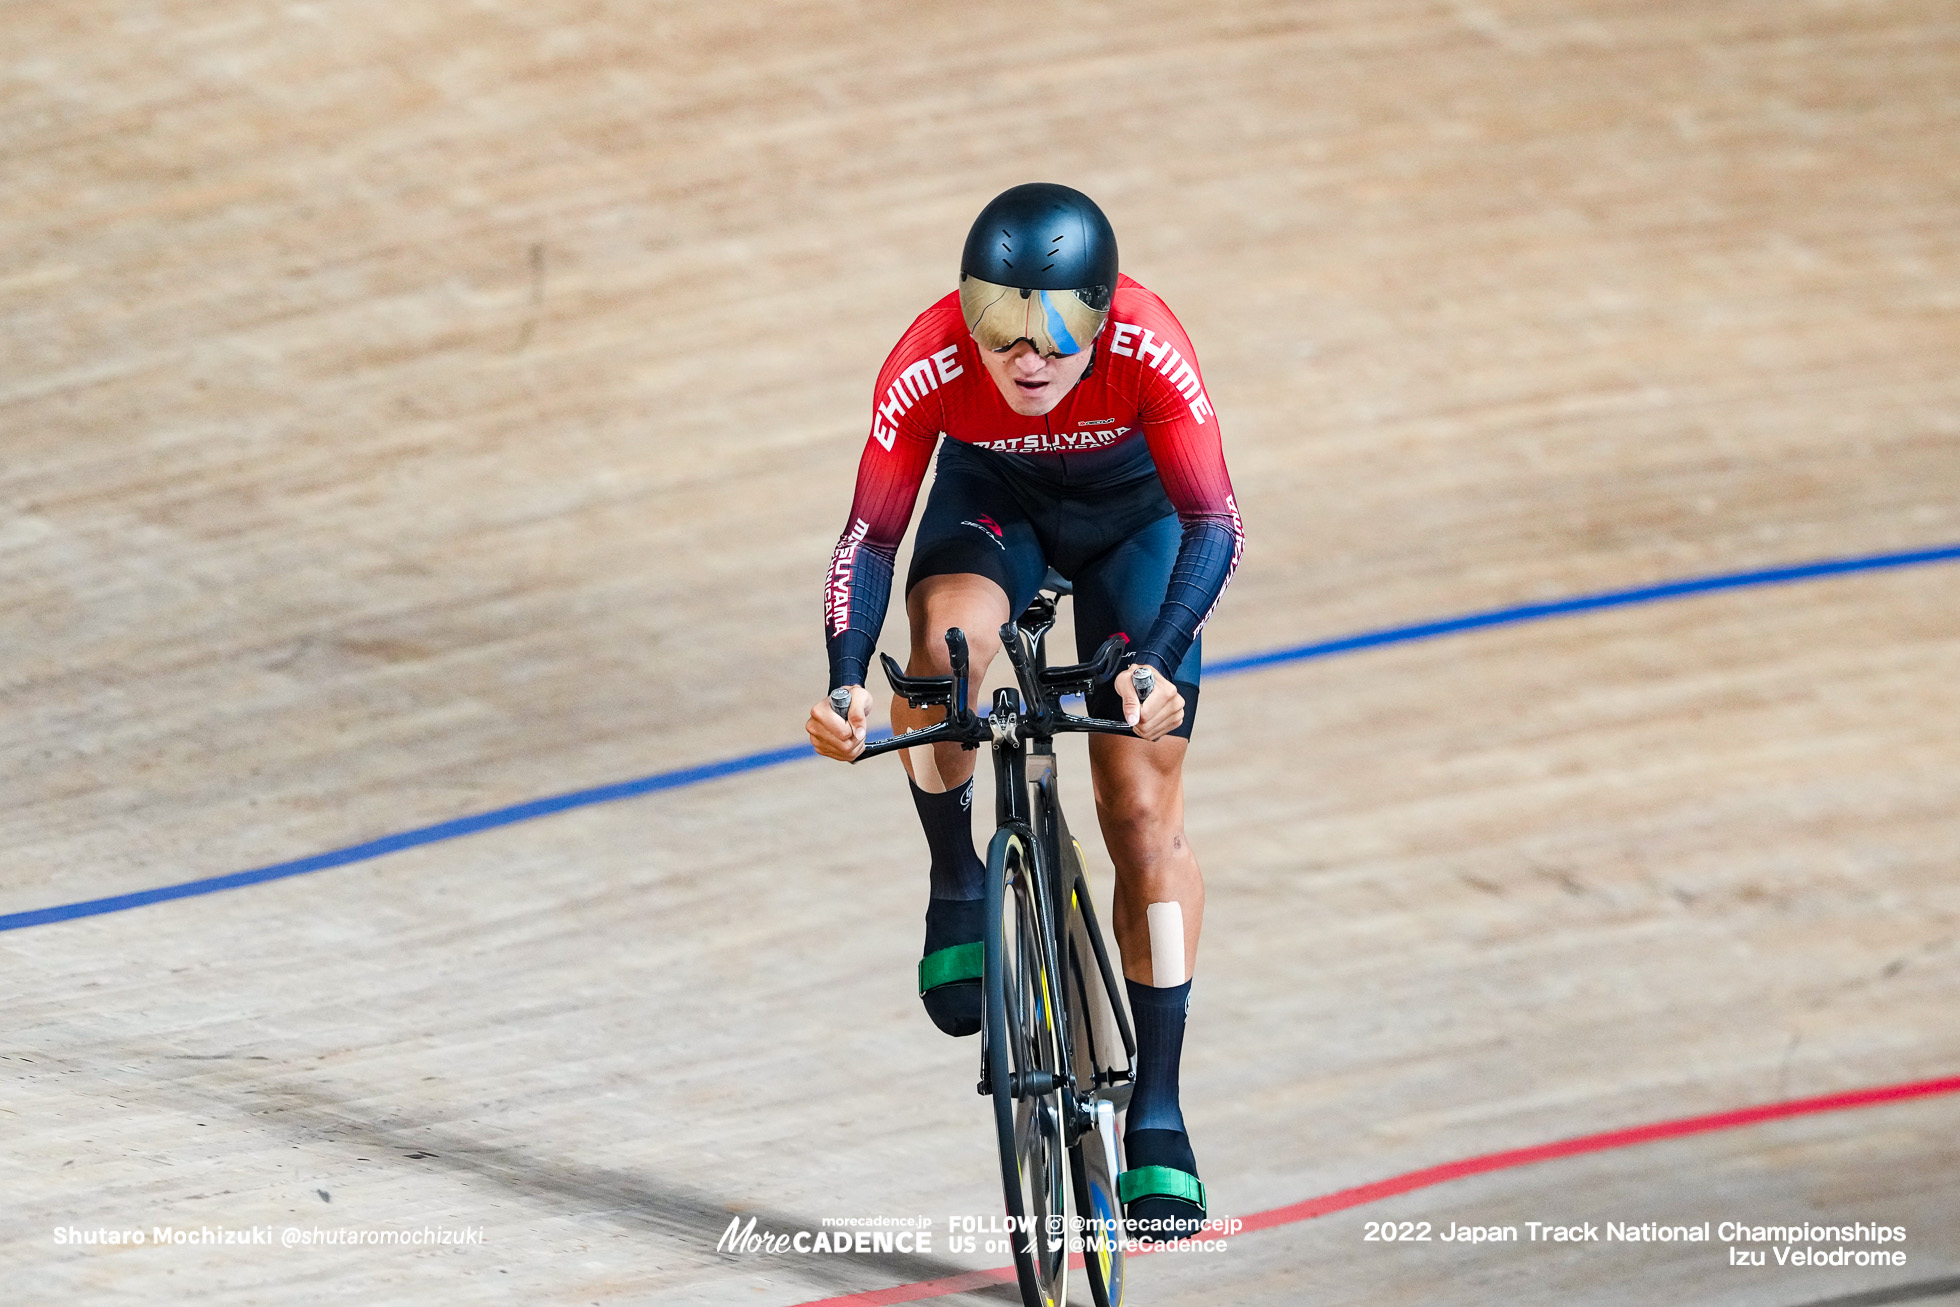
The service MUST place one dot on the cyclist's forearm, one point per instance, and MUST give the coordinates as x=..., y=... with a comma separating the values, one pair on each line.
x=1206, y=559
x=856, y=593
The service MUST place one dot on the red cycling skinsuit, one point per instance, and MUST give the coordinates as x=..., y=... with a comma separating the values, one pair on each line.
x=1140, y=414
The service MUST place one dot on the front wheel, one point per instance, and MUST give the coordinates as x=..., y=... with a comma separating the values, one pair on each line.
x=1021, y=1030
x=1097, y=1048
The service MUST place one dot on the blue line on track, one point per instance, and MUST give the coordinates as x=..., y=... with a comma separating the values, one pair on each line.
x=1645, y=594
x=674, y=780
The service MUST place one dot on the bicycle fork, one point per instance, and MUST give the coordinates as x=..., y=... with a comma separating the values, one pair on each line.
x=1020, y=765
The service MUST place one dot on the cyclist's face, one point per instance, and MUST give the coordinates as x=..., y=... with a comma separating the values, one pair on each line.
x=1033, y=385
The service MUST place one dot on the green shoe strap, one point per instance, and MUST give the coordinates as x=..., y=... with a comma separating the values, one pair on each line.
x=947, y=965
x=1160, y=1182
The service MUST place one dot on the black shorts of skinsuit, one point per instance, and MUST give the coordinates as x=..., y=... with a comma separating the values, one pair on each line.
x=1116, y=542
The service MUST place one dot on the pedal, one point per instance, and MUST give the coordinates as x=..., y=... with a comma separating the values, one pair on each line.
x=1081, y=1117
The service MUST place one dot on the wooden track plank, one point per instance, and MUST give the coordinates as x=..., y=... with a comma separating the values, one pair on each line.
x=401, y=407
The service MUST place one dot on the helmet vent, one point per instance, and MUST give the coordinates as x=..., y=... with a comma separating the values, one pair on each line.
x=1054, y=248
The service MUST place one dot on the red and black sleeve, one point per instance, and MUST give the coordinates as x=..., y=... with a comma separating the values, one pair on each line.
x=904, y=429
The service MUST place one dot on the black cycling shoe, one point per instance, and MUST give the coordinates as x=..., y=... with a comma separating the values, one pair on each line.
x=949, y=974
x=1163, y=1199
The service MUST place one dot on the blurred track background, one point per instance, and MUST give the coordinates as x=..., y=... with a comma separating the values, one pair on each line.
x=408, y=410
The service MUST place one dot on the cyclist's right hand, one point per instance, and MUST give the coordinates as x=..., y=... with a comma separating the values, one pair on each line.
x=833, y=736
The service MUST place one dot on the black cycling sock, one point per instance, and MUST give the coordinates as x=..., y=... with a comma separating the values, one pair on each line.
x=1159, y=1018
x=957, y=872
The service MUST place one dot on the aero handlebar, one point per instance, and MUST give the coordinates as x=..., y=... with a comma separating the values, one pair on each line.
x=1040, y=716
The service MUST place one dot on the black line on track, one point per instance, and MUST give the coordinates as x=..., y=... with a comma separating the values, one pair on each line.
x=1897, y=1293
x=622, y=1197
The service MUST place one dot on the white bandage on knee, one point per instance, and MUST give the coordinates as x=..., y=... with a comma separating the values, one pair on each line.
x=925, y=769
x=1166, y=921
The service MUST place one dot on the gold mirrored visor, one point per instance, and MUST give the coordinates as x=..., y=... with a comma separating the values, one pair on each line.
x=1055, y=322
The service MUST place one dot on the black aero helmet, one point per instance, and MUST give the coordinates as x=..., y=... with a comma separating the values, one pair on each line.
x=1039, y=266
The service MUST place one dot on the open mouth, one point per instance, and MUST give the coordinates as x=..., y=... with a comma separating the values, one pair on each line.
x=1029, y=385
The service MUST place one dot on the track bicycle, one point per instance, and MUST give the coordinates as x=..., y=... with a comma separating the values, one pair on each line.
x=1057, y=1053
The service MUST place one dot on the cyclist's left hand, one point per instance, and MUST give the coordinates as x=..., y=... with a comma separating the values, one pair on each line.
x=1159, y=715
x=838, y=737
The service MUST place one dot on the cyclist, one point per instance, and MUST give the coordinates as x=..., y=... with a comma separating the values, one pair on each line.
x=1078, y=435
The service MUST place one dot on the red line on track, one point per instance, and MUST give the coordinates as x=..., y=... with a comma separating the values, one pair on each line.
x=1435, y=1175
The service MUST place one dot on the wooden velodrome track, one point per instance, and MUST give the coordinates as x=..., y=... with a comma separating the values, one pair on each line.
x=409, y=410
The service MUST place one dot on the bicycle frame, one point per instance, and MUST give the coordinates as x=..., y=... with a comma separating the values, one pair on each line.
x=1040, y=1092
x=1020, y=728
